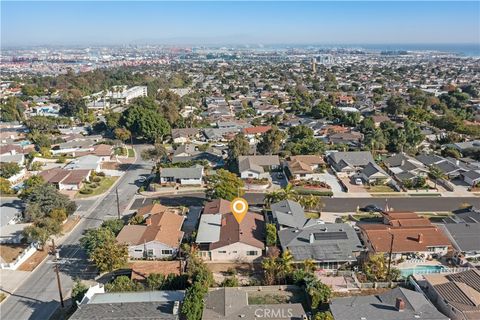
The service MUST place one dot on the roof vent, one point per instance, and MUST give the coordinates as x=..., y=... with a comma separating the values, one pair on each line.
x=400, y=304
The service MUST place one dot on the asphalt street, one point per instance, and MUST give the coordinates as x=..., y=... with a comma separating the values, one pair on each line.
x=37, y=297
x=419, y=204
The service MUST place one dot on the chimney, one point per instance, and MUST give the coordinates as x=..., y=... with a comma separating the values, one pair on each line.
x=148, y=221
x=312, y=238
x=420, y=238
x=13, y=152
x=400, y=304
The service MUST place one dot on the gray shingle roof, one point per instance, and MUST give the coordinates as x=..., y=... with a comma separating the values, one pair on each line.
x=289, y=213
x=375, y=307
x=354, y=158
x=182, y=173
x=335, y=242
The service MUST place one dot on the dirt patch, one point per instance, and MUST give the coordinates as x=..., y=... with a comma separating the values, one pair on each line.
x=34, y=260
x=70, y=224
x=363, y=292
x=10, y=251
x=239, y=267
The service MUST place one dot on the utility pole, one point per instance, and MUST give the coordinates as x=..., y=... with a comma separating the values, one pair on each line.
x=118, y=203
x=57, y=271
x=390, y=257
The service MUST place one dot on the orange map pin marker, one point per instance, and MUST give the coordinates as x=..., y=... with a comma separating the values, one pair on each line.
x=239, y=207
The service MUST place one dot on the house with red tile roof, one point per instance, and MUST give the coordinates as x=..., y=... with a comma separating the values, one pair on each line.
x=404, y=234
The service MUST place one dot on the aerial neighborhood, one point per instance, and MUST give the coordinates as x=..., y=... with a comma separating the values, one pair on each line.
x=360, y=168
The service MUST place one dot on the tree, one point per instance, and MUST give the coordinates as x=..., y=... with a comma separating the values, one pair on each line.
x=155, y=154
x=271, y=234
x=201, y=278
x=324, y=315
x=311, y=202
x=231, y=282
x=299, y=133
x=285, y=264
x=270, y=270
x=224, y=185
x=114, y=225
x=30, y=185
x=319, y=292
x=122, y=134
x=5, y=187
x=309, y=265
x=95, y=238
x=110, y=256
x=376, y=269
x=238, y=146
x=42, y=199
x=123, y=284
x=435, y=173
x=271, y=141
x=155, y=281
x=37, y=234
x=12, y=110
x=396, y=105
x=78, y=291
x=112, y=120
x=146, y=123
x=9, y=169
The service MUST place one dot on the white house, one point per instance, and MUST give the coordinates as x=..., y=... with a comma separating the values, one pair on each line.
x=159, y=237
x=183, y=176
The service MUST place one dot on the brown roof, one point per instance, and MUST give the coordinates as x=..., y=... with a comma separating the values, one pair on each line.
x=76, y=176
x=405, y=239
x=303, y=163
x=142, y=269
x=102, y=150
x=380, y=118
x=54, y=175
x=8, y=148
x=217, y=206
x=461, y=290
x=153, y=208
x=406, y=219
x=255, y=130
x=163, y=227
x=250, y=231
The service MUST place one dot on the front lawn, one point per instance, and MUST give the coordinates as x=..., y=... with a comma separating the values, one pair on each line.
x=380, y=188
x=120, y=151
x=91, y=189
x=131, y=153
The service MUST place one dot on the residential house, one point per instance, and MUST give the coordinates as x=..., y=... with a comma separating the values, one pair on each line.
x=151, y=209
x=221, y=238
x=183, y=176
x=65, y=179
x=88, y=162
x=290, y=214
x=463, y=230
x=351, y=138
x=456, y=295
x=403, y=167
x=395, y=304
x=257, y=166
x=164, y=305
x=349, y=161
x=184, y=135
x=253, y=134
x=10, y=214
x=305, y=167
x=191, y=152
x=372, y=173
x=405, y=234
x=234, y=303
x=379, y=119
x=330, y=245
x=160, y=236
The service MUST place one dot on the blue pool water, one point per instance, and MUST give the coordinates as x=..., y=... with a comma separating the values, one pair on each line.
x=421, y=270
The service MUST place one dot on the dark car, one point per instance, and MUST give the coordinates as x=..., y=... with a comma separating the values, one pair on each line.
x=371, y=208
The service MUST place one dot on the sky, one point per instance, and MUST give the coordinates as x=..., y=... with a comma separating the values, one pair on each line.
x=254, y=22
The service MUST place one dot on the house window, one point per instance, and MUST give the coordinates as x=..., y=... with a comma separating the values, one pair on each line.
x=138, y=250
x=166, y=251
x=234, y=251
x=150, y=252
x=222, y=251
x=251, y=253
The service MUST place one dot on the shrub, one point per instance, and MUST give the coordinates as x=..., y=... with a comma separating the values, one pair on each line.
x=101, y=174
x=86, y=191
x=97, y=179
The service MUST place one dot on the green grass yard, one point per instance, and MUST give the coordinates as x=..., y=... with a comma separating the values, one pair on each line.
x=103, y=186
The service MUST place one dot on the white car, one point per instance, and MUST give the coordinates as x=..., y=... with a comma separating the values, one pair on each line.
x=358, y=181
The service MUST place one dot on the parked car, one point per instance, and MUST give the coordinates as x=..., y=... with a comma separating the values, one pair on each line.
x=280, y=176
x=358, y=181
x=371, y=208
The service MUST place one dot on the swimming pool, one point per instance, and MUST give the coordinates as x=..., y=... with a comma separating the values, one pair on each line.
x=426, y=269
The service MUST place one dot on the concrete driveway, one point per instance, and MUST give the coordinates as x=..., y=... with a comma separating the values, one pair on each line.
x=278, y=183
x=332, y=181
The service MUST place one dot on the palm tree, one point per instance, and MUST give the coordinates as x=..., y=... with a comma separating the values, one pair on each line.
x=270, y=268
x=310, y=202
x=435, y=173
x=272, y=197
x=285, y=264
x=309, y=265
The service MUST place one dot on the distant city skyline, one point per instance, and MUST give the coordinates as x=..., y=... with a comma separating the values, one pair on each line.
x=215, y=23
